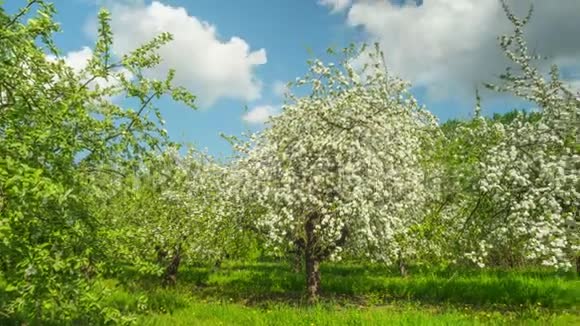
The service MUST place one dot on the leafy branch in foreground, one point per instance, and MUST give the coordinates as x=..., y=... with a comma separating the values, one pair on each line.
x=60, y=136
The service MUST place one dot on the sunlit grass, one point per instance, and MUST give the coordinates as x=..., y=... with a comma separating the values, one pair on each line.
x=234, y=314
x=272, y=294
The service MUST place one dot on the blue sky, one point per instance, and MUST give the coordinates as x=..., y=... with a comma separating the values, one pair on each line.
x=234, y=54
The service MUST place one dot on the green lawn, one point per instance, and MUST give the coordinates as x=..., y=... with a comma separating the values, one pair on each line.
x=234, y=314
x=271, y=294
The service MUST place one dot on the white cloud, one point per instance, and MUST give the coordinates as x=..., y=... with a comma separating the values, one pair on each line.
x=260, y=114
x=78, y=61
x=450, y=46
x=279, y=88
x=335, y=5
x=209, y=67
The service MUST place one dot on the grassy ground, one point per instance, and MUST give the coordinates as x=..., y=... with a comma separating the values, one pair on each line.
x=271, y=294
x=231, y=314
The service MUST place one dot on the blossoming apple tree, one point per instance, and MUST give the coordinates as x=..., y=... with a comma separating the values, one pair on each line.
x=176, y=209
x=514, y=186
x=339, y=171
x=533, y=175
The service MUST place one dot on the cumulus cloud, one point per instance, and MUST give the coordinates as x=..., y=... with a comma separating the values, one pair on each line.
x=450, y=46
x=207, y=65
x=260, y=114
x=335, y=5
x=78, y=61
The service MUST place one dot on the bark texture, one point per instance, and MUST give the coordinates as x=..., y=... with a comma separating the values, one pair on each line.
x=312, y=260
x=403, y=268
x=313, y=272
x=170, y=276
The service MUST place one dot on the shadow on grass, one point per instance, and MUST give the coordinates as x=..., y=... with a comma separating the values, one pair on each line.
x=262, y=284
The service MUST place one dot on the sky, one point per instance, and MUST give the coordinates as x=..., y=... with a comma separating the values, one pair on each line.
x=237, y=55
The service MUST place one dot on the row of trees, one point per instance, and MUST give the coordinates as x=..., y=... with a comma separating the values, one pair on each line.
x=356, y=170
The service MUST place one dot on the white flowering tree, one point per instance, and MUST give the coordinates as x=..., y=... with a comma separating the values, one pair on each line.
x=513, y=186
x=460, y=210
x=533, y=175
x=339, y=172
x=175, y=209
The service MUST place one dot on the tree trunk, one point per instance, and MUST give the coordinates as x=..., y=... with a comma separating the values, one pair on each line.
x=403, y=268
x=170, y=276
x=312, y=260
x=313, y=277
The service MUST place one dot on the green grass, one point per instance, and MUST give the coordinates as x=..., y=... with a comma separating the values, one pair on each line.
x=271, y=294
x=234, y=314
x=269, y=282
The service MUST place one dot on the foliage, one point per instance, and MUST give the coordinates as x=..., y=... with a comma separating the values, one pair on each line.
x=338, y=172
x=509, y=185
x=175, y=207
x=96, y=202
x=59, y=134
x=533, y=175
